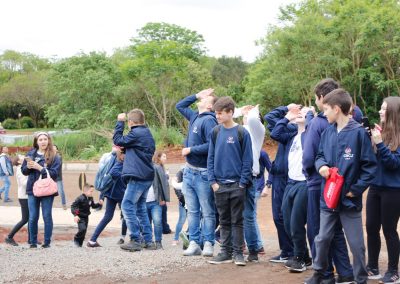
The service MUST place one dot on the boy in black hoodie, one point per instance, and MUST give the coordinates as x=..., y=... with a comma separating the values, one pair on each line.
x=80, y=208
x=344, y=145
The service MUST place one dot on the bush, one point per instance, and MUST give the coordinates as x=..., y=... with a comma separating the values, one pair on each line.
x=10, y=123
x=166, y=137
x=26, y=122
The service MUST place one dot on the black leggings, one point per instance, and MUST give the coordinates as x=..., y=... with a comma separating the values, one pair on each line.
x=24, y=220
x=383, y=210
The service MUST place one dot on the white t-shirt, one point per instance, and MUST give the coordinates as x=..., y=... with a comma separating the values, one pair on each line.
x=150, y=195
x=295, y=160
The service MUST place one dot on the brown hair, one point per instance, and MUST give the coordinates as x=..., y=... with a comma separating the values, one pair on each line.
x=157, y=158
x=15, y=161
x=50, y=153
x=325, y=86
x=214, y=98
x=136, y=116
x=340, y=98
x=391, y=125
x=224, y=104
x=87, y=186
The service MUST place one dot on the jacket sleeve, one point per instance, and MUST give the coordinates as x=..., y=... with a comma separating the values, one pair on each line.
x=209, y=124
x=391, y=160
x=281, y=132
x=75, y=206
x=210, y=162
x=310, y=147
x=116, y=170
x=183, y=107
x=124, y=141
x=53, y=168
x=274, y=116
x=247, y=161
x=320, y=160
x=256, y=128
x=94, y=205
x=265, y=160
x=367, y=166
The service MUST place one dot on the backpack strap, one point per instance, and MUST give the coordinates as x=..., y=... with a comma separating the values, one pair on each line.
x=215, y=133
x=240, y=134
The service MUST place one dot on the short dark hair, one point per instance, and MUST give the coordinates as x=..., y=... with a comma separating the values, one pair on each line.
x=214, y=98
x=325, y=86
x=136, y=116
x=224, y=104
x=340, y=98
x=87, y=186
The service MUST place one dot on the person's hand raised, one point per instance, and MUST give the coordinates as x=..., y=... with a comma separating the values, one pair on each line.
x=121, y=117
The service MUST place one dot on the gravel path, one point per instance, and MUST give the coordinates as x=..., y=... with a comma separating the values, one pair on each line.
x=63, y=261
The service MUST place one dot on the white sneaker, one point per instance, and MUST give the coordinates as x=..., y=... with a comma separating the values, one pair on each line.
x=208, y=249
x=193, y=249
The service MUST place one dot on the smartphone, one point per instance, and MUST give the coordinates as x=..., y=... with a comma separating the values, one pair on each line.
x=365, y=123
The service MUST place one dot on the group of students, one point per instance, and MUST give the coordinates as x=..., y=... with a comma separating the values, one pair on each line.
x=223, y=176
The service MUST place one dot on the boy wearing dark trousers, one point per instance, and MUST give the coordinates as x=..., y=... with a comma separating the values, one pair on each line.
x=229, y=165
x=344, y=145
x=294, y=204
x=314, y=129
x=80, y=208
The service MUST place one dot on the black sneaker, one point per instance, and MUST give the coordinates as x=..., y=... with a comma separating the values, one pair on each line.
x=315, y=279
x=345, y=279
x=45, y=246
x=221, y=258
x=253, y=256
x=373, y=273
x=297, y=265
x=33, y=246
x=131, y=246
x=279, y=259
x=94, y=245
x=289, y=262
x=120, y=241
x=308, y=261
x=390, y=277
x=239, y=260
x=10, y=241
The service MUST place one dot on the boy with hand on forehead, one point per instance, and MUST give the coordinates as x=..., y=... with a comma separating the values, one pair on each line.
x=344, y=145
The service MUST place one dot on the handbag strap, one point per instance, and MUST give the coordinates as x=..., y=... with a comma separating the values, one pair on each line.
x=47, y=172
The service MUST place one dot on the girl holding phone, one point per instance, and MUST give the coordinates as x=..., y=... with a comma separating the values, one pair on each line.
x=383, y=199
x=40, y=161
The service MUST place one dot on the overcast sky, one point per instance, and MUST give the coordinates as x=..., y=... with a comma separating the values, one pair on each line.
x=62, y=28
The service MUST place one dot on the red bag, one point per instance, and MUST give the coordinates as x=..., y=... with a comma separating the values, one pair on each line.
x=44, y=186
x=333, y=188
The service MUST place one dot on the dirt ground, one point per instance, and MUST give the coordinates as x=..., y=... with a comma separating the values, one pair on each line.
x=264, y=271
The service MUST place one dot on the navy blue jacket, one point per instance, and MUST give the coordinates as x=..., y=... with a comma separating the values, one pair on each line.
x=387, y=174
x=140, y=147
x=33, y=175
x=280, y=165
x=265, y=164
x=311, y=143
x=117, y=191
x=228, y=159
x=200, y=126
x=351, y=152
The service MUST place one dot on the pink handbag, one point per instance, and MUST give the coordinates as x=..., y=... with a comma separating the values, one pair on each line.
x=44, y=186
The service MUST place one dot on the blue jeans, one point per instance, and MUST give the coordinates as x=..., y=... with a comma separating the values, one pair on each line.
x=260, y=242
x=199, y=197
x=134, y=210
x=108, y=216
x=181, y=221
x=154, y=210
x=250, y=221
x=34, y=206
x=6, y=187
x=60, y=189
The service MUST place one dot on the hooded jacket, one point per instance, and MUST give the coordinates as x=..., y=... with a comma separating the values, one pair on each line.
x=200, y=128
x=351, y=152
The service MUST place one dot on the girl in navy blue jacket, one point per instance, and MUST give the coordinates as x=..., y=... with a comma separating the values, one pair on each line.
x=384, y=195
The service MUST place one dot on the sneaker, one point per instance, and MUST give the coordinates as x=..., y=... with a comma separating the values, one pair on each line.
x=253, y=256
x=150, y=246
x=45, y=246
x=64, y=206
x=261, y=251
x=317, y=278
x=184, y=238
x=373, y=273
x=193, y=249
x=208, y=249
x=131, y=246
x=390, y=277
x=308, y=261
x=93, y=244
x=33, y=246
x=120, y=241
x=221, y=258
x=289, y=262
x=239, y=260
x=10, y=241
x=345, y=279
x=278, y=259
x=297, y=265
x=8, y=200
x=159, y=245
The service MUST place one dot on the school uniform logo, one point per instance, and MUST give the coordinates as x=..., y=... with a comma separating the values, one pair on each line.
x=195, y=129
x=230, y=140
x=347, y=154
